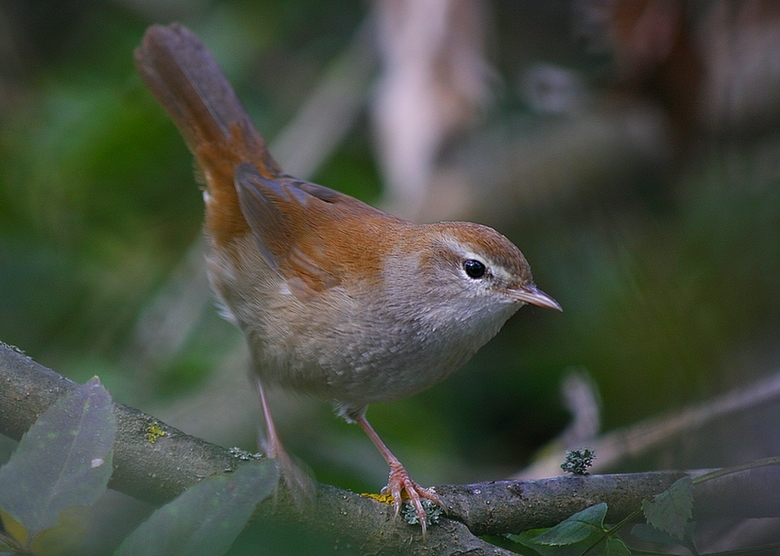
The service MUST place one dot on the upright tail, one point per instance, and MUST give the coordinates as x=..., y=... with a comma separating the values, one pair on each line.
x=188, y=83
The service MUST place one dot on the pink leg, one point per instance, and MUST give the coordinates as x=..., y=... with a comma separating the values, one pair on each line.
x=399, y=481
x=298, y=480
x=273, y=447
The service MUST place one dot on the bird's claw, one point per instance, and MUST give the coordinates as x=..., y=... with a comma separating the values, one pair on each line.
x=400, y=486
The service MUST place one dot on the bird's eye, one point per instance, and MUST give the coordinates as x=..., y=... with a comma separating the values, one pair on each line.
x=475, y=269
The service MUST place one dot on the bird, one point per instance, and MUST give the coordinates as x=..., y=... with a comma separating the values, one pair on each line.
x=336, y=299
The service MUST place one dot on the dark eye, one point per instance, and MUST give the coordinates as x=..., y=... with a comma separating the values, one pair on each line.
x=474, y=268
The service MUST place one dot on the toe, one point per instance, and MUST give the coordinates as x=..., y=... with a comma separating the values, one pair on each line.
x=400, y=486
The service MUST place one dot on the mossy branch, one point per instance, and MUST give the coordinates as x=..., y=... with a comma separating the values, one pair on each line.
x=154, y=463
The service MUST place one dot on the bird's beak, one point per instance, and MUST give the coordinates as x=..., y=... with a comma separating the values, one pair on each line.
x=530, y=294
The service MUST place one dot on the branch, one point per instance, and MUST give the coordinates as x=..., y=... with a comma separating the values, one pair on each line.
x=157, y=469
x=620, y=446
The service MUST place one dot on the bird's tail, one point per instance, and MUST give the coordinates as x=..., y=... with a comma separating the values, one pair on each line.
x=190, y=86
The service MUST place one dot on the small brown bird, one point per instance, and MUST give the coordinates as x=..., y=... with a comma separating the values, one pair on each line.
x=336, y=298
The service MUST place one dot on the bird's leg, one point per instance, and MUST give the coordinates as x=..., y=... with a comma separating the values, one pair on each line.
x=399, y=482
x=272, y=446
x=295, y=475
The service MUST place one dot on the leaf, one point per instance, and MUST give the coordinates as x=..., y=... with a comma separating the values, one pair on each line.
x=509, y=543
x=616, y=547
x=593, y=545
x=576, y=528
x=14, y=529
x=648, y=533
x=671, y=509
x=64, y=460
x=207, y=518
x=580, y=532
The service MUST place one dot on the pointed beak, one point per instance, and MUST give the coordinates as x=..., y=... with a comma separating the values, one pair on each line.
x=530, y=294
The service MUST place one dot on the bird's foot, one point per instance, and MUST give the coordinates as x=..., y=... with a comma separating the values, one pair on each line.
x=296, y=475
x=401, y=487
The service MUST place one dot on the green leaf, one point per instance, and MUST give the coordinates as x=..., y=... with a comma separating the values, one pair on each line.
x=576, y=528
x=580, y=532
x=616, y=547
x=594, y=545
x=671, y=509
x=509, y=543
x=64, y=460
x=648, y=533
x=206, y=519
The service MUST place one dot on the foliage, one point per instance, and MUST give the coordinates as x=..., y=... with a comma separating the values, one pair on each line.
x=668, y=525
x=207, y=518
x=670, y=510
x=583, y=532
x=64, y=462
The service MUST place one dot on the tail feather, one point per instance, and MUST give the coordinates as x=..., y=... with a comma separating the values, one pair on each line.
x=186, y=80
x=189, y=84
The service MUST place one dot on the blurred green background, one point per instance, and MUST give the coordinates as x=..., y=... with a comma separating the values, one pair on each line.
x=656, y=227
